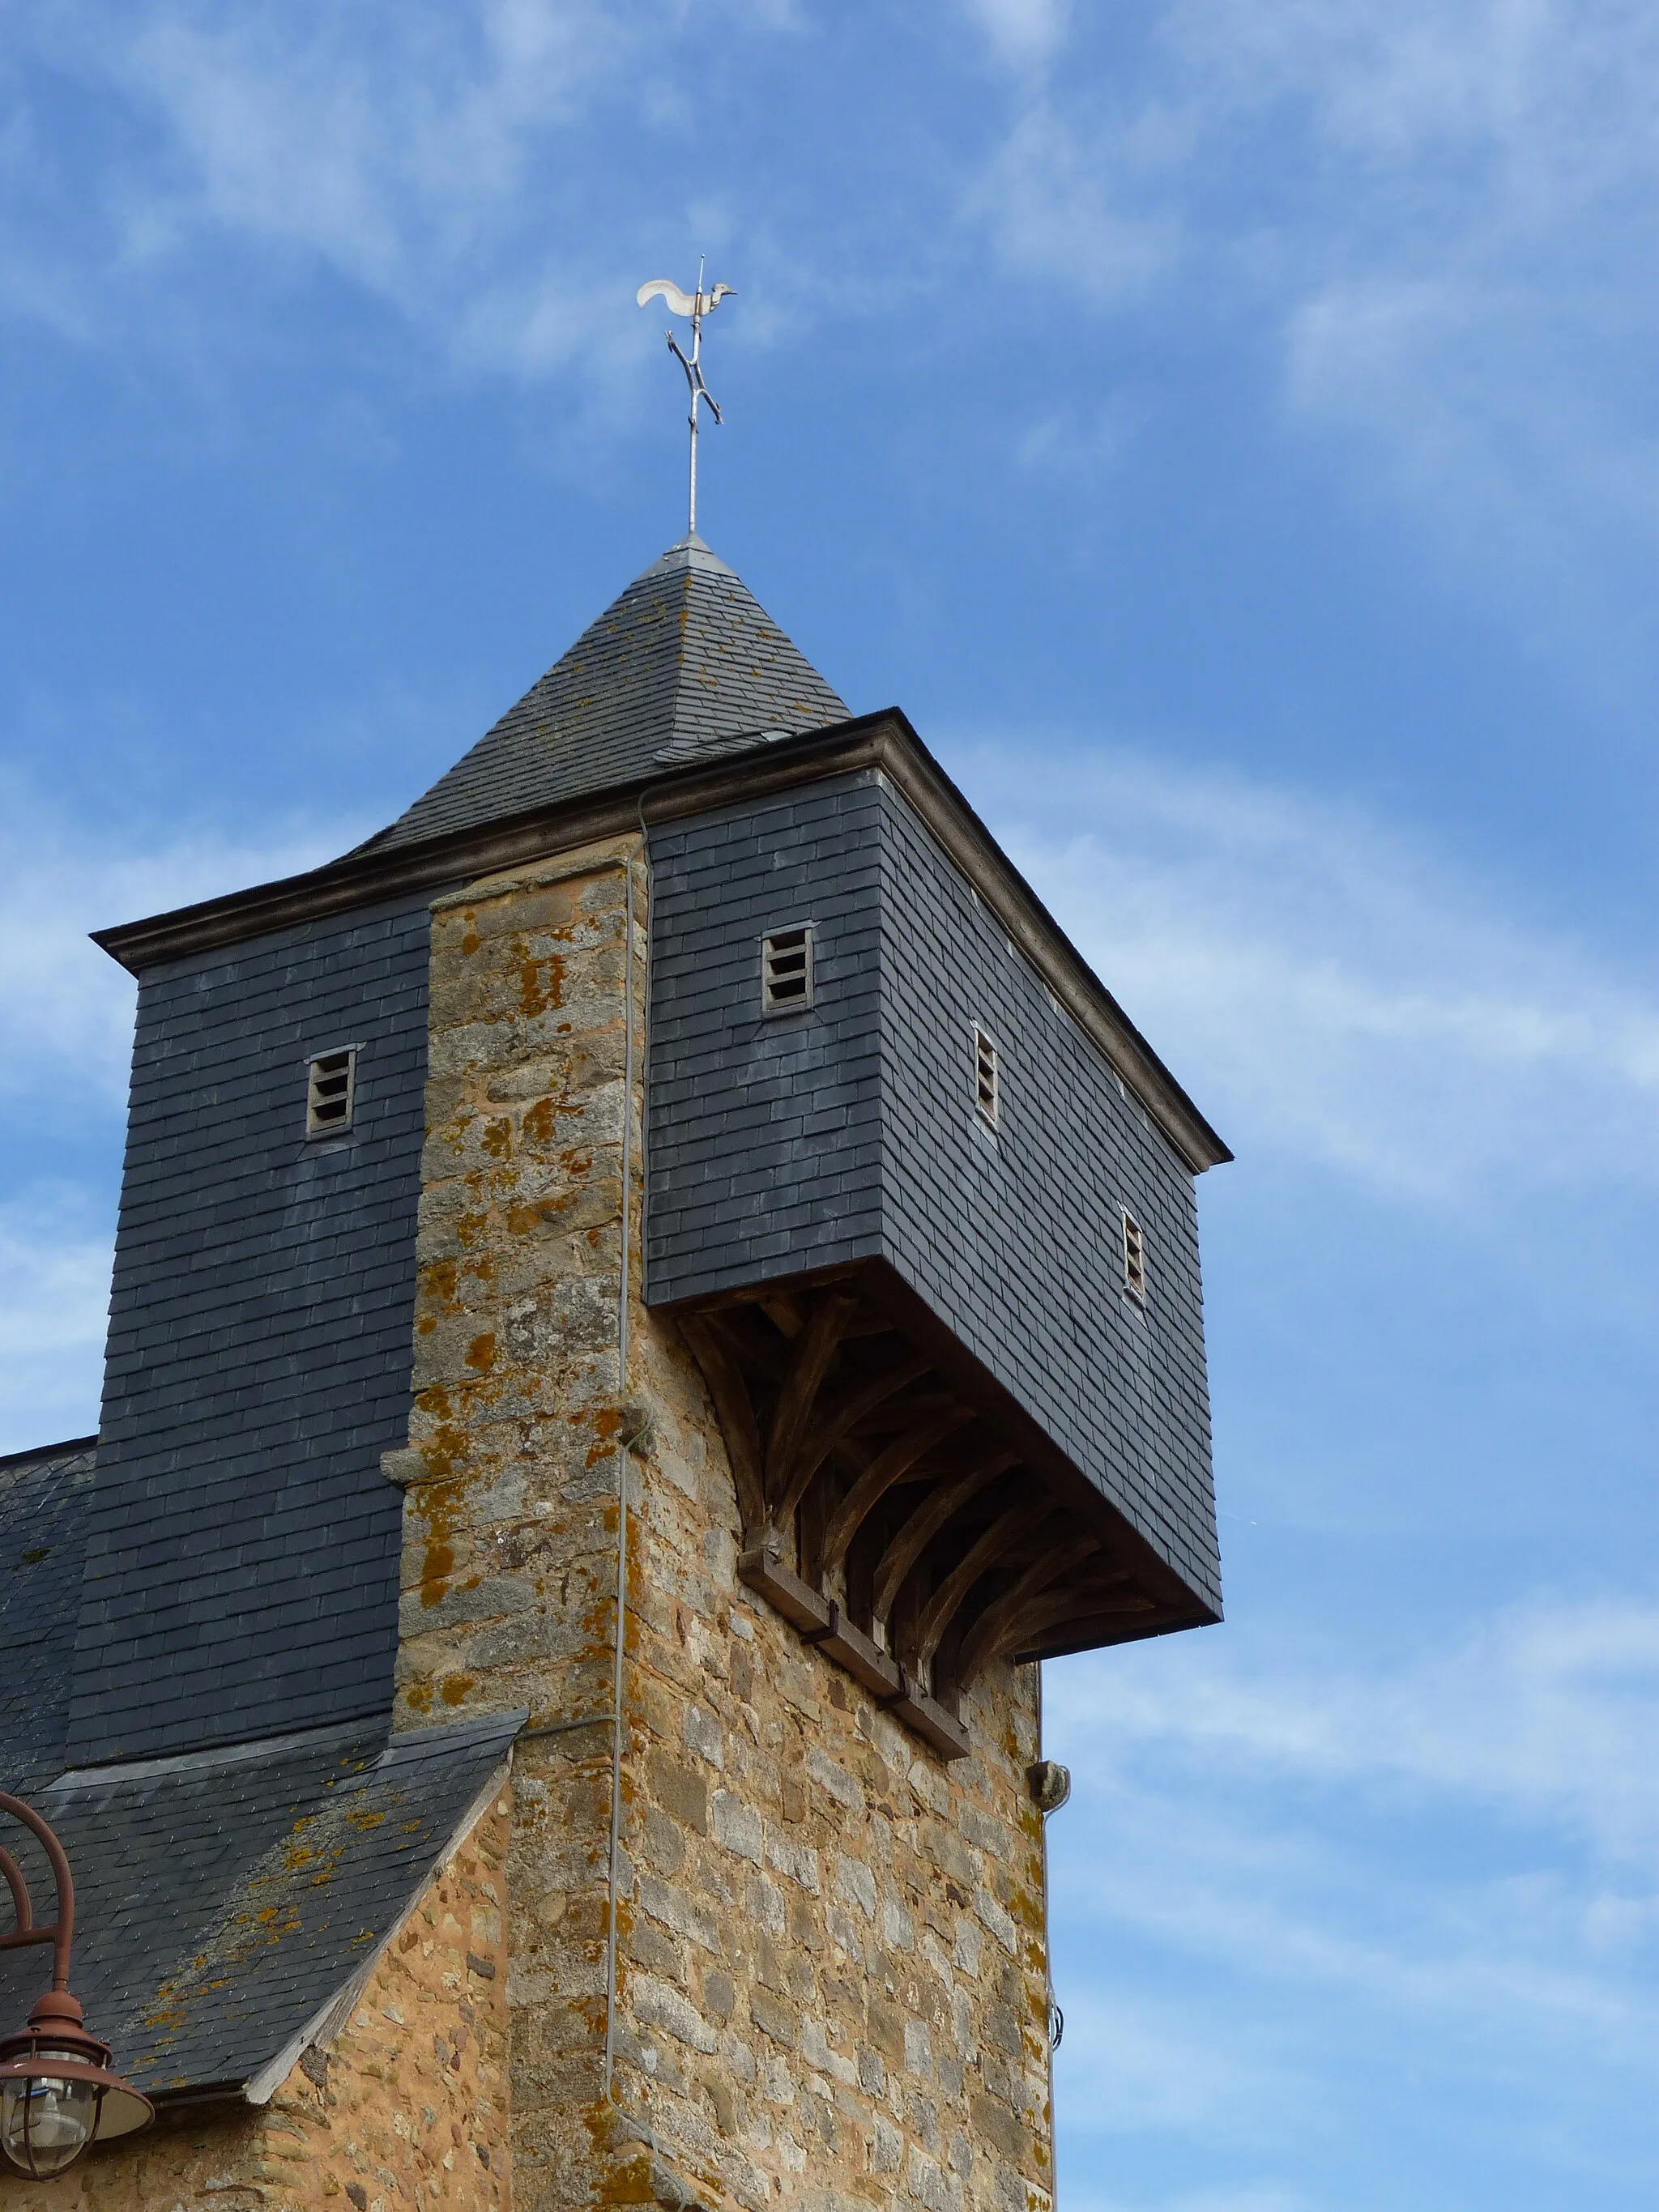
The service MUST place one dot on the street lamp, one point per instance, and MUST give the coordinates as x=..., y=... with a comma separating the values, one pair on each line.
x=57, y=2093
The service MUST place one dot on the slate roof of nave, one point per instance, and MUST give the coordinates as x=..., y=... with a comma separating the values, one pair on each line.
x=685, y=664
x=224, y=1897
x=43, y=1534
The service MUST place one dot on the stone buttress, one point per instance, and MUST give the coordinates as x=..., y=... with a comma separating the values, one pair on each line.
x=830, y=1984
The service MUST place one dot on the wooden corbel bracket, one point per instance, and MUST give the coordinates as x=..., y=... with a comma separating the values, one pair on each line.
x=884, y=1514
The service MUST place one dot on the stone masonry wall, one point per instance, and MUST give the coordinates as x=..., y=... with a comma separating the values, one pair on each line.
x=835, y=1992
x=405, y=2110
x=510, y=1522
x=832, y=1985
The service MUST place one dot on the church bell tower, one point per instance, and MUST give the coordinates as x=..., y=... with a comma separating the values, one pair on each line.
x=651, y=1296
x=803, y=1225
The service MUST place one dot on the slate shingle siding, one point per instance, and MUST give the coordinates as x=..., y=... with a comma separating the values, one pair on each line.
x=1015, y=1237
x=776, y=1146
x=44, y=1496
x=241, y=1557
x=765, y=1131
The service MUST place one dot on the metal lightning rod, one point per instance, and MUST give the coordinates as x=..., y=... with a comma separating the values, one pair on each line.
x=693, y=306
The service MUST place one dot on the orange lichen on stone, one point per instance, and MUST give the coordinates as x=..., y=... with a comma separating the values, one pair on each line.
x=509, y=1561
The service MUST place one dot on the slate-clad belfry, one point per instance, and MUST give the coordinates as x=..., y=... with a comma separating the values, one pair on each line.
x=648, y=1296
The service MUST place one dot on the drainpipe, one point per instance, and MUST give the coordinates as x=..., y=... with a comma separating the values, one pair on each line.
x=623, y=1462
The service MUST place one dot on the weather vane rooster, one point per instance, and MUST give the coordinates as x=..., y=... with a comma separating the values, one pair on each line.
x=693, y=306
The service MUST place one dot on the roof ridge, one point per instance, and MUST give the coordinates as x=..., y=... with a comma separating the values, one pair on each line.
x=263, y=1748
x=48, y=1451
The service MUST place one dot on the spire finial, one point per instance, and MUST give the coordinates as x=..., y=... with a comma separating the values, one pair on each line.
x=694, y=305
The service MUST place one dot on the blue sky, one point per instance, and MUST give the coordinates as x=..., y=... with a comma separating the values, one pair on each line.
x=1228, y=428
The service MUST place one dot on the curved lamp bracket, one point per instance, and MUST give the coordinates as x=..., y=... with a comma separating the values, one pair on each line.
x=60, y=1934
x=58, y=2096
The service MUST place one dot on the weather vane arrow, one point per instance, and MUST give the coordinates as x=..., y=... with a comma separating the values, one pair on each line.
x=693, y=306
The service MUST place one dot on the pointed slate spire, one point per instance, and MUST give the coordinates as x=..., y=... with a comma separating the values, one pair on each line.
x=684, y=664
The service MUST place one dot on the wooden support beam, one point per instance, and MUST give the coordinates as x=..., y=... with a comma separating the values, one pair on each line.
x=715, y=1354
x=919, y=1530
x=749, y=1337
x=932, y=1721
x=834, y=1425
x=813, y=1460
x=784, y=1313
x=1046, y=1616
x=1098, y=1631
x=763, y=1568
x=986, y=1639
x=863, y=1658
x=878, y=1478
x=813, y=1349
x=887, y=1420
x=941, y=1606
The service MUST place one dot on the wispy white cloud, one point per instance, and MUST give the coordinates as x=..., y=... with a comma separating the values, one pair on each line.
x=55, y=1254
x=1437, y=220
x=1436, y=1866
x=1092, y=2193
x=1506, y=408
x=1526, y=79
x=1331, y=988
x=1023, y=32
x=1091, y=441
x=1074, y=208
x=65, y=1006
x=1151, y=2067
x=373, y=152
x=436, y=158
x=1540, y=1713
x=395, y=147
x=1426, y=228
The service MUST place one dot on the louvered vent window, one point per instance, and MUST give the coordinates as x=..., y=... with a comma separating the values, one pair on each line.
x=1134, y=1258
x=986, y=1093
x=331, y=1092
x=787, y=970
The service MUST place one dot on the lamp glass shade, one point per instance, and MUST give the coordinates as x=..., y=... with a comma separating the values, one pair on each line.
x=46, y=2122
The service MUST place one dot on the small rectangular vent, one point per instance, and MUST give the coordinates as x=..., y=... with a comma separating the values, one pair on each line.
x=331, y=1092
x=1134, y=1258
x=986, y=1096
x=787, y=970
